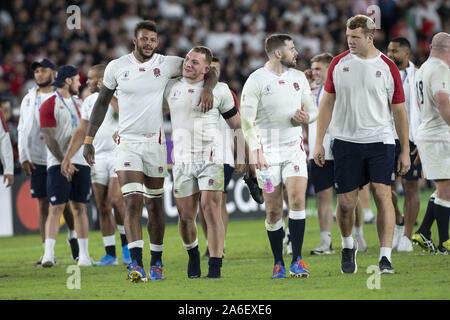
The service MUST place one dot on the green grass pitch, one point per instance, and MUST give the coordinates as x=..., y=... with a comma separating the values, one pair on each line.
x=246, y=270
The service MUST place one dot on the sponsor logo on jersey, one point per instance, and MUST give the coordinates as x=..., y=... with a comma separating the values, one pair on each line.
x=126, y=164
x=281, y=82
x=141, y=69
x=346, y=69
x=191, y=90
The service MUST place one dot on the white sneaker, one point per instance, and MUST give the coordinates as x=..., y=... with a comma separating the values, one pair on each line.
x=47, y=262
x=405, y=245
x=323, y=248
x=398, y=232
x=84, y=262
x=362, y=245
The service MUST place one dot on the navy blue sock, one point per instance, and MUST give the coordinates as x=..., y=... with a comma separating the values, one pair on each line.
x=136, y=254
x=276, y=243
x=297, y=232
x=442, y=215
x=111, y=250
x=123, y=239
x=156, y=256
x=428, y=219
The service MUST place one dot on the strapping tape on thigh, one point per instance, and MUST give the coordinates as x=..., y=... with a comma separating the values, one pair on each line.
x=153, y=193
x=132, y=188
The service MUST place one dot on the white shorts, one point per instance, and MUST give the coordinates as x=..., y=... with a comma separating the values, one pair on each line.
x=104, y=169
x=290, y=162
x=147, y=157
x=435, y=158
x=191, y=178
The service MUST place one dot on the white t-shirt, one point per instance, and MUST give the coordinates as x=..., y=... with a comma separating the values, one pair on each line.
x=103, y=141
x=6, y=151
x=317, y=91
x=432, y=77
x=270, y=101
x=196, y=135
x=364, y=89
x=140, y=88
x=64, y=115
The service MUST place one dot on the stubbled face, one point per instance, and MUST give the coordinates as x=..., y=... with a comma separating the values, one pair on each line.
x=43, y=76
x=145, y=43
x=93, y=81
x=289, y=54
x=397, y=53
x=74, y=84
x=195, y=66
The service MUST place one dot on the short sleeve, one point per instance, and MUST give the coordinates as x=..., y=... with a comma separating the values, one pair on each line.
x=397, y=92
x=173, y=64
x=3, y=126
x=440, y=80
x=109, y=77
x=47, y=113
x=86, y=108
x=227, y=102
x=250, y=93
x=329, y=83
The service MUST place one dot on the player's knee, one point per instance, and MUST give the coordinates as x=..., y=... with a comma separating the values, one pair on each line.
x=347, y=206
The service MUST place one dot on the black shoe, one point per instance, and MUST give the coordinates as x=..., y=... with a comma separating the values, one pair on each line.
x=348, y=262
x=385, y=266
x=254, y=189
x=74, y=247
x=193, y=269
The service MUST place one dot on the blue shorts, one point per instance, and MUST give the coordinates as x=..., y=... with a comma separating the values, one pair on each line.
x=39, y=182
x=415, y=172
x=59, y=190
x=356, y=164
x=322, y=178
x=227, y=174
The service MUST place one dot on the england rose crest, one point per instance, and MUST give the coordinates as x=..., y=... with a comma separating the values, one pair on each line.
x=296, y=86
x=156, y=72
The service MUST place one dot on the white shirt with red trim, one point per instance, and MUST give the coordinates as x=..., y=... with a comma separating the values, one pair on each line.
x=140, y=88
x=64, y=115
x=432, y=77
x=196, y=135
x=6, y=151
x=364, y=89
x=103, y=141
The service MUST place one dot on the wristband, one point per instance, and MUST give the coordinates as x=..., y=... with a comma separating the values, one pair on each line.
x=88, y=140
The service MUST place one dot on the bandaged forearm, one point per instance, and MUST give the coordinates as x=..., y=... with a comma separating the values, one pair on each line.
x=310, y=107
x=248, y=116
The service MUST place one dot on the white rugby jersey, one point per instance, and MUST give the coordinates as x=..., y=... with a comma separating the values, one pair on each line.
x=317, y=92
x=432, y=77
x=364, y=89
x=196, y=135
x=31, y=144
x=228, y=137
x=268, y=102
x=6, y=151
x=64, y=115
x=140, y=88
x=103, y=141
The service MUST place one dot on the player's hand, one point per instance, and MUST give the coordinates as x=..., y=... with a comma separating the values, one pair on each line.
x=89, y=154
x=68, y=169
x=319, y=155
x=206, y=100
x=309, y=75
x=257, y=161
x=28, y=166
x=404, y=163
x=115, y=136
x=300, y=117
x=417, y=159
x=8, y=179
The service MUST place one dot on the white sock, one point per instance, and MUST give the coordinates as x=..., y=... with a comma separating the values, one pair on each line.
x=49, y=252
x=190, y=245
x=275, y=226
x=325, y=237
x=136, y=244
x=347, y=242
x=72, y=234
x=109, y=241
x=156, y=247
x=297, y=215
x=121, y=229
x=358, y=230
x=368, y=214
x=385, y=252
x=83, y=244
